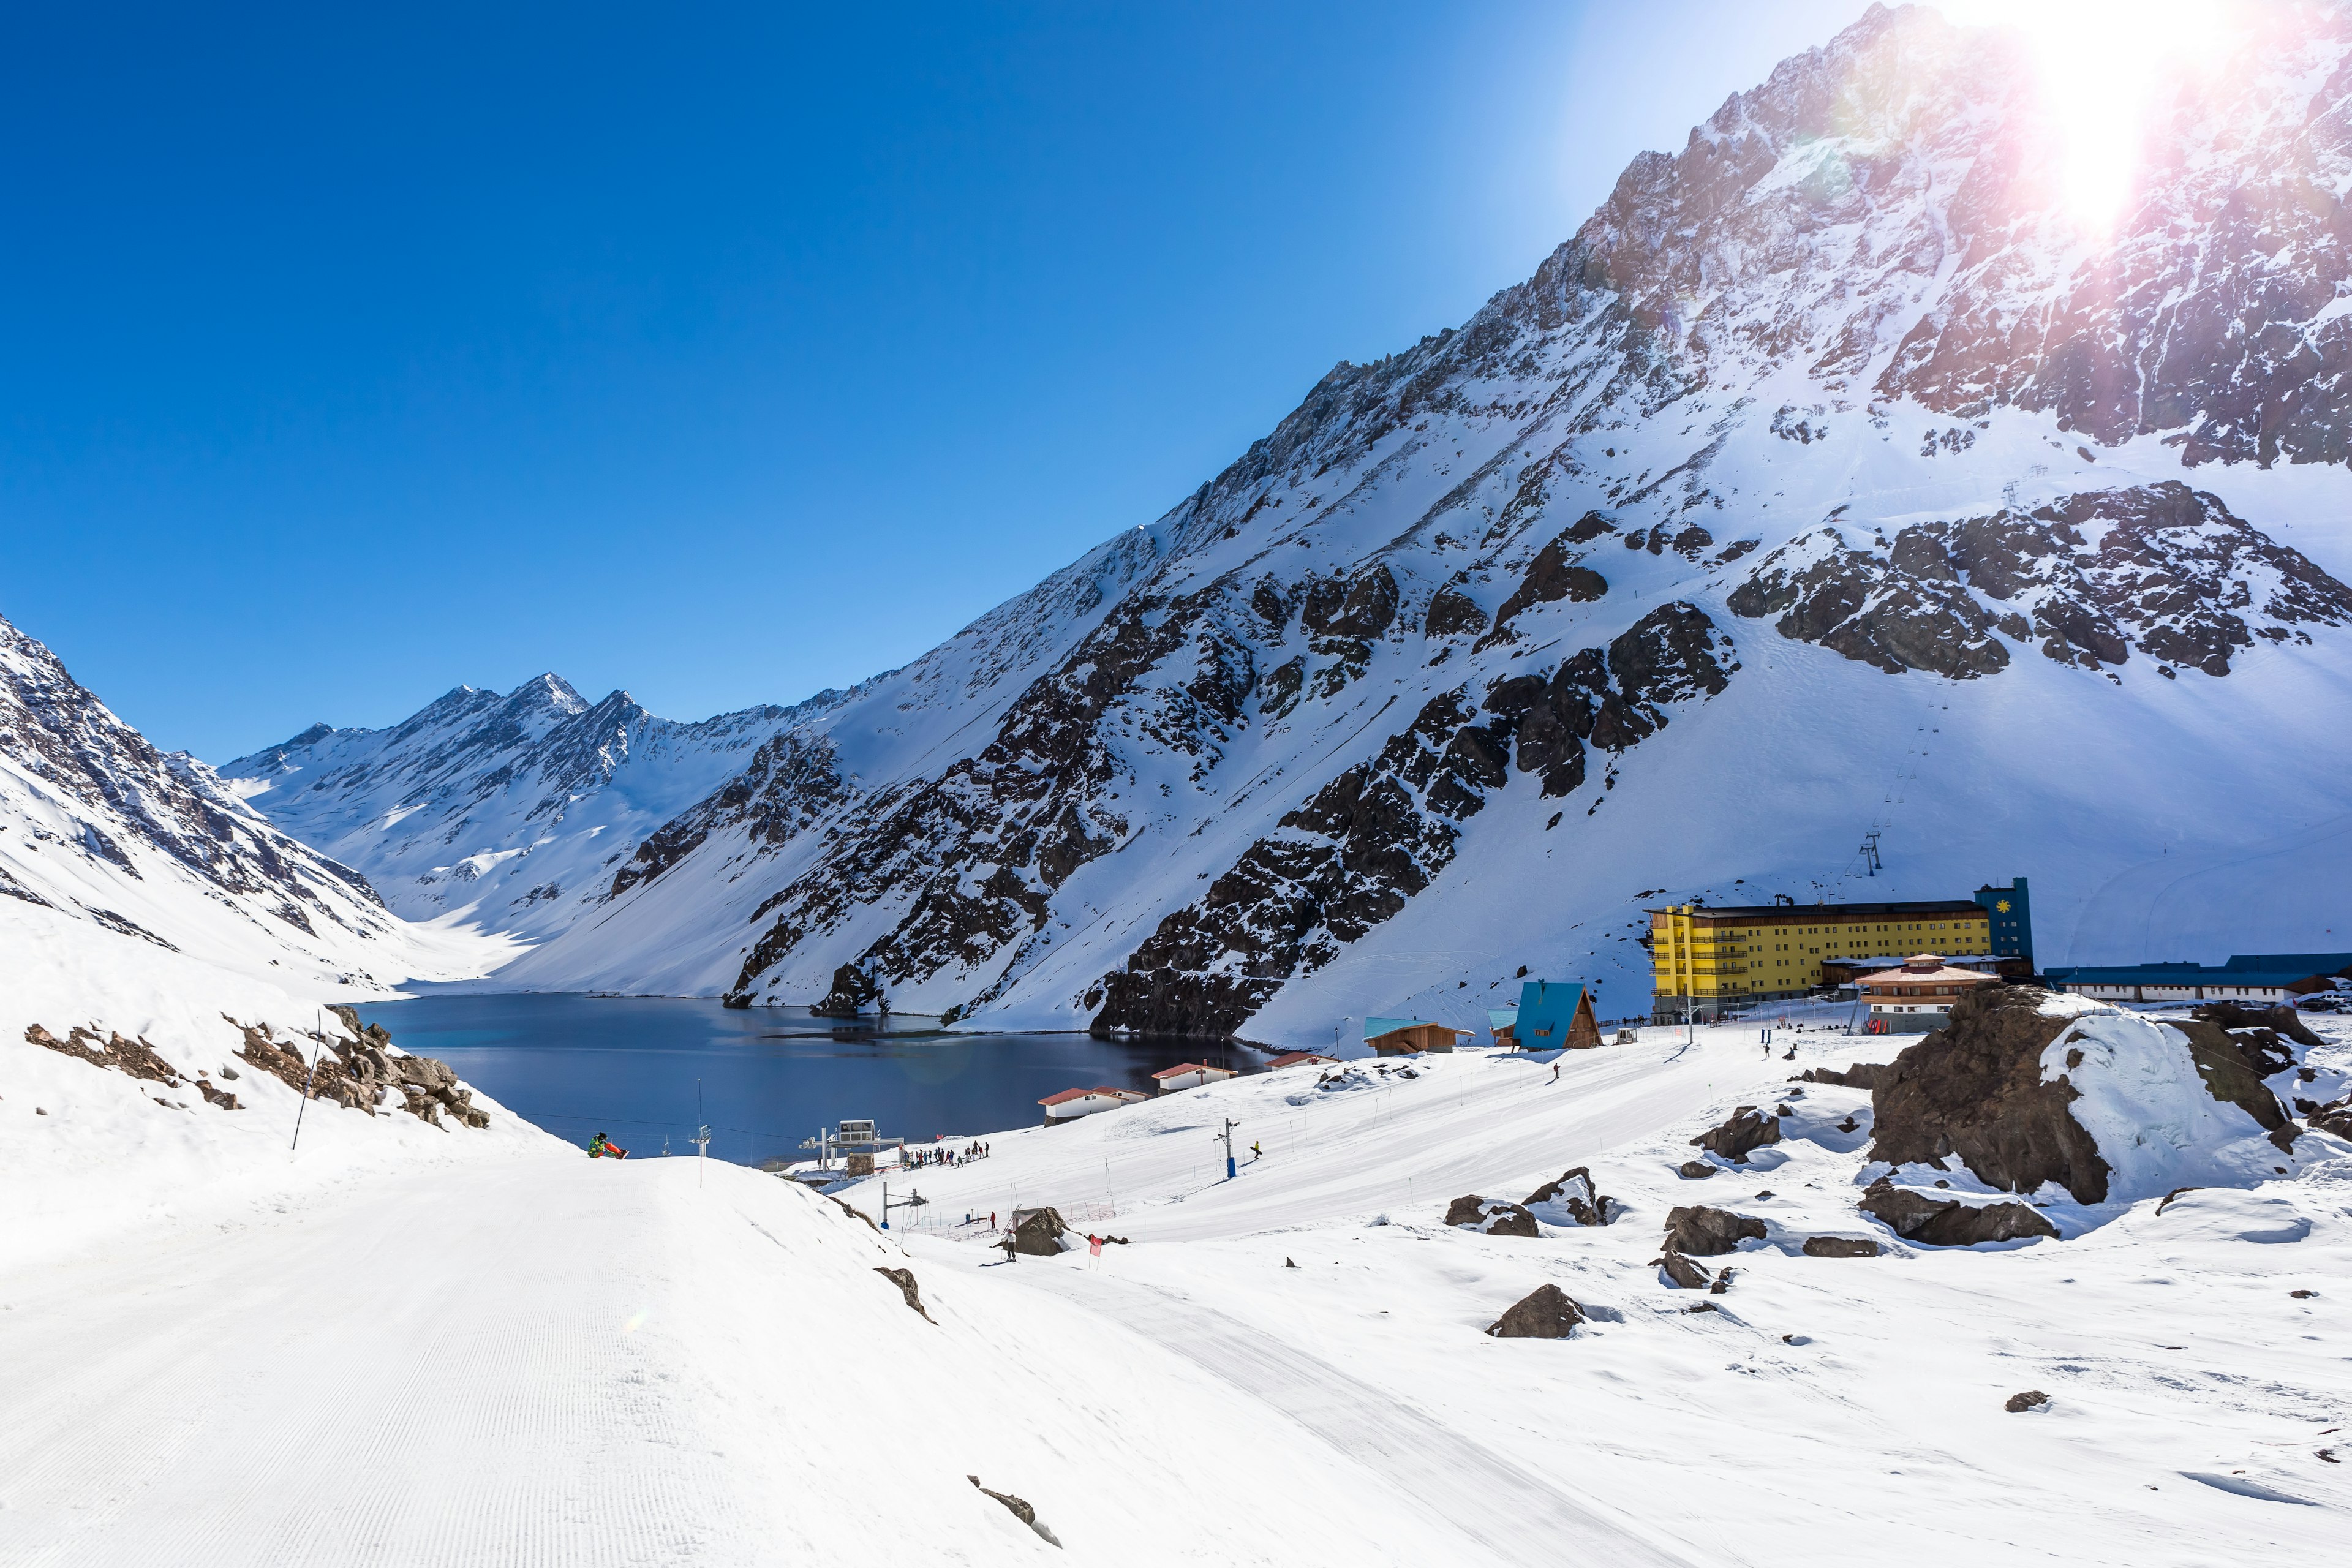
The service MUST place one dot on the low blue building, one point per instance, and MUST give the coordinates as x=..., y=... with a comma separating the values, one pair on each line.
x=2264, y=978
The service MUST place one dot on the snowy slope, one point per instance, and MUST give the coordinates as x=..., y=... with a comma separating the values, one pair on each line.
x=1832, y=479
x=505, y=814
x=1822, y=1410
x=115, y=854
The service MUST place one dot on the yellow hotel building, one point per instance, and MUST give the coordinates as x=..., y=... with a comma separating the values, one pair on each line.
x=1708, y=959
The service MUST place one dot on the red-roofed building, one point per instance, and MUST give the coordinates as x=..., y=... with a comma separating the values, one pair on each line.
x=1073, y=1103
x=1191, y=1075
x=1300, y=1059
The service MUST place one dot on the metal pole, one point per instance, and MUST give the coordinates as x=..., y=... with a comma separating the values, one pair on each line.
x=309, y=1077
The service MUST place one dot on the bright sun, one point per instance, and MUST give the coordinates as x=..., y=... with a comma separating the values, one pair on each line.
x=2103, y=63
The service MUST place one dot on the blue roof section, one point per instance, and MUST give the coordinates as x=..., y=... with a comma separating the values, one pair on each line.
x=1502, y=1018
x=2181, y=975
x=2305, y=963
x=1374, y=1026
x=1546, y=1008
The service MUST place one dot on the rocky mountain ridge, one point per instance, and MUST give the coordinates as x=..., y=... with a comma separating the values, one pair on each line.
x=513, y=808
x=1670, y=571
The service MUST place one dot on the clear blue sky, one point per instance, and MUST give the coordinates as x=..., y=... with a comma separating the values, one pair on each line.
x=721, y=352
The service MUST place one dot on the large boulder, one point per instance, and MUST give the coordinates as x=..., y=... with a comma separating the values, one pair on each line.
x=1747, y=1131
x=1840, y=1247
x=852, y=988
x=1544, y=1313
x=1573, y=1198
x=2231, y=1016
x=1947, y=1222
x=2024, y=1087
x=1038, y=1233
x=1702, y=1232
x=1492, y=1217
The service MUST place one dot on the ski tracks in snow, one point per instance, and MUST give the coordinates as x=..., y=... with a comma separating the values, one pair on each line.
x=348, y=1405
x=1506, y=1513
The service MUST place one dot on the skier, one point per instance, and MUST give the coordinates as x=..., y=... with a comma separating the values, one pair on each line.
x=1555, y=1072
x=604, y=1147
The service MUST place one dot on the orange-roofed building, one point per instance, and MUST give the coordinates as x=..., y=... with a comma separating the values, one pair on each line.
x=1918, y=996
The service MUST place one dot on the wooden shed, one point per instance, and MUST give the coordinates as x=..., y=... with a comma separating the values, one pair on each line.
x=1407, y=1037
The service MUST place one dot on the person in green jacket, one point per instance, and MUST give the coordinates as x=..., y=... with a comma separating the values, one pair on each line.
x=604, y=1147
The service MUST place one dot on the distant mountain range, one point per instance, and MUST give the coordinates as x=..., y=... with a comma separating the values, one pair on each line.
x=1832, y=479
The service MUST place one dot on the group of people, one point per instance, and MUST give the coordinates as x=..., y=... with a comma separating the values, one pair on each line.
x=943, y=1156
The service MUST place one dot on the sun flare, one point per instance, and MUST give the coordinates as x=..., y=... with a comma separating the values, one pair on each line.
x=2104, y=66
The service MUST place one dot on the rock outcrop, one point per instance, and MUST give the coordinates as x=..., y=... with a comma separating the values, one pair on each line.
x=1861, y=1075
x=1947, y=1222
x=853, y=988
x=1840, y=1247
x=1491, y=1216
x=1544, y=1313
x=1985, y=1090
x=1039, y=1233
x=1573, y=1197
x=1741, y=1135
x=905, y=1279
x=1973, y=1091
x=1701, y=1232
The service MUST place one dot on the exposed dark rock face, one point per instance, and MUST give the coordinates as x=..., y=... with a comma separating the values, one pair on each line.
x=2032, y=1399
x=1702, y=1232
x=1826, y=592
x=1544, y=1313
x=137, y=1058
x=977, y=852
x=1746, y=1131
x=1451, y=612
x=852, y=988
x=905, y=1279
x=123, y=796
x=791, y=780
x=1350, y=858
x=1491, y=1216
x=1574, y=1195
x=1935, y=1222
x=1695, y=1170
x=1680, y=1272
x=358, y=1073
x=1039, y=1234
x=2162, y=568
x=1861, y=1075
x=1019, y=1510
x=1840, y=1247
x=1973, y=1091
x=2266, y=1025
x=1554, y=575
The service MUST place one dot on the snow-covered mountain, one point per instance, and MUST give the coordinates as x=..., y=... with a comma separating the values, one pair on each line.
x=1834, y=478
x=114, y=847
x=508, y=812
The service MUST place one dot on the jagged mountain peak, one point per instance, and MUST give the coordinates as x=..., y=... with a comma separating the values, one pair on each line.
x=1673, y=566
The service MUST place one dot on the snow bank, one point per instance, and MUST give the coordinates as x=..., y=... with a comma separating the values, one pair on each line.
x=2142, y=1097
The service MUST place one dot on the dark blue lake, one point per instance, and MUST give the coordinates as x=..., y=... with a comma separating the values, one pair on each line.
x=648, y=1069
